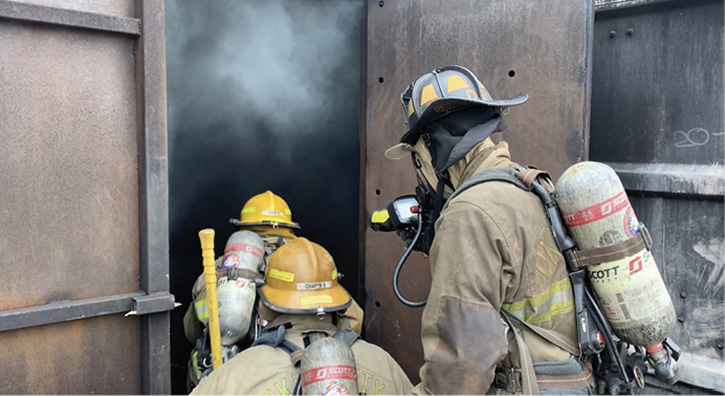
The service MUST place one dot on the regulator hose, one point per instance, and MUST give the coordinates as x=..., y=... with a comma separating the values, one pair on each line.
x=399, y=267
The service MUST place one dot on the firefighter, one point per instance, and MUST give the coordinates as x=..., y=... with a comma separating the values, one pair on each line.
x=269, y=216
x=302, y=300
x=497, y=275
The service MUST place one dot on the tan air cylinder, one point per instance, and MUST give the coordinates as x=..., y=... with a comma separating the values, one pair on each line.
x=328, y=368
x=236, y=290
x=597, y=211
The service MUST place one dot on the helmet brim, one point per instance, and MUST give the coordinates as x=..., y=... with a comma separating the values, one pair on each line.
x=399, y=151
x=443, y=107
x=290, y=301
x=238, y=223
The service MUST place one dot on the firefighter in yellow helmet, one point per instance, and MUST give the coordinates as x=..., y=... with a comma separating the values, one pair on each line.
x=302, y=300
x=269, y=216
x=494, y=263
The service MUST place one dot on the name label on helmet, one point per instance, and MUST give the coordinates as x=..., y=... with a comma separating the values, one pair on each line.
x=272, y=213
x=313, y=286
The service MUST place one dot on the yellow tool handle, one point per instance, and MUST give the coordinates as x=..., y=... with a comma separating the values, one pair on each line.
x=207, y=253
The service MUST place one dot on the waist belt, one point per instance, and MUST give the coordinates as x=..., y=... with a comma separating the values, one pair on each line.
x=510, y=379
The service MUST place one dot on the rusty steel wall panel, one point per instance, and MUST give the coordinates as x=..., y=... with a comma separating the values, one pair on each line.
x=69, y=196
x=658, y=120
x=539, y=48
x=84, y=198
x=120, y=8
x=90, y=356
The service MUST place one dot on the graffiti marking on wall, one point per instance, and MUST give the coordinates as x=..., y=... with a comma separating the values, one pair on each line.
x=695, y=137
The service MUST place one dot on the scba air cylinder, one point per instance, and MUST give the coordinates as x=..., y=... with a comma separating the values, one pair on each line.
x=328, y=368
x=598, y=214
x=236, y=290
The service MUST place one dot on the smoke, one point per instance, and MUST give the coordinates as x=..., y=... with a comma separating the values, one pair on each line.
x=262, y=94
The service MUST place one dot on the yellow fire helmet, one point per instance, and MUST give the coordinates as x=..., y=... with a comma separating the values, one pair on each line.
x=266, y=209
x=301, y=278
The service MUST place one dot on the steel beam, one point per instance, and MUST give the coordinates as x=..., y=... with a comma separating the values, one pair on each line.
x=153, y=193
x=59, y=16
x=608, y=5
x=64, y=311
x=700, y=180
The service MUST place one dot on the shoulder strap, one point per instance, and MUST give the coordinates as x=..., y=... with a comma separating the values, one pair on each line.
x=553, y=337
x=528, y=377
x=498, y=174
x=275, y=339
x=347, y=336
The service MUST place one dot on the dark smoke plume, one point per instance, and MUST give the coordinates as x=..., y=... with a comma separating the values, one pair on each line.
x=262, y=94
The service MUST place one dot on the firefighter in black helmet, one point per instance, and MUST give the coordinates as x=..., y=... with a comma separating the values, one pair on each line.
x=497, y=274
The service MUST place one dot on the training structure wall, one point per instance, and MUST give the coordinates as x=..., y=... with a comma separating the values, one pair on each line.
x=521, y=46
x=83, y=198
x=657, y=119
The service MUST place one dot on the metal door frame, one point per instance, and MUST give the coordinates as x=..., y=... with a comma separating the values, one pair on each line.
x=153, y=301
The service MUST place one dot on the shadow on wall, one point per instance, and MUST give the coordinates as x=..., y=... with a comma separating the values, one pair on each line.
x=262, y=94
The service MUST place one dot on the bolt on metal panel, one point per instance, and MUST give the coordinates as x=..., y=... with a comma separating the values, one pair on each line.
x=513, y=47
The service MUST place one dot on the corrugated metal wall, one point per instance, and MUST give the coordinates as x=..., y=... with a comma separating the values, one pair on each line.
x=657, y=119
x=514, y=46
x=83, y=198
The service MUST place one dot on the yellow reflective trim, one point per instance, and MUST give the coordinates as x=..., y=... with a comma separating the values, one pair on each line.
x=541, y=299
x=334, y=274
x=201, y=309
x=314, y=300
x=250, y=209
x=195, y=372
x=411, y=108
x=284, y=276
x=428, y=95
x=455, y=83
x=556, y=309
x=380, y=216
